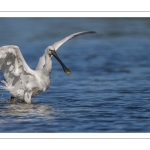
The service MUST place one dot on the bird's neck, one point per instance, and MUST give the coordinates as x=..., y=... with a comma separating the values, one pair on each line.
x=48, y=65
x=45, y=64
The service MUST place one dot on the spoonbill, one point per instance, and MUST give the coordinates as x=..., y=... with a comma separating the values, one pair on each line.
x=21, y=81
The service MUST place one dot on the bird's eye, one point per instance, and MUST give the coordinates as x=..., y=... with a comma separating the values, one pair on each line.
x=50, y=50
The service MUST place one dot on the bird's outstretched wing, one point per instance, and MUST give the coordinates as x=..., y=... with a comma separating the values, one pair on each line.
x=56, y=45
x=13, y=66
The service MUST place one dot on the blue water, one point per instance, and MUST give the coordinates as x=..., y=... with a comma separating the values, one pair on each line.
x=109, y=88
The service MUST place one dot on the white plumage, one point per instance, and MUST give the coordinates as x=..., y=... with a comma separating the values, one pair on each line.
x=20, y=80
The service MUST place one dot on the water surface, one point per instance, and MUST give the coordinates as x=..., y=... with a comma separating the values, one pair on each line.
x=109, y=88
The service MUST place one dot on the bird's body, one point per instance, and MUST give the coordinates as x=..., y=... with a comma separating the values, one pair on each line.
x=21, y=81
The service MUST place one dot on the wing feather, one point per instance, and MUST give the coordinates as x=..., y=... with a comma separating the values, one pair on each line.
x=13, y=65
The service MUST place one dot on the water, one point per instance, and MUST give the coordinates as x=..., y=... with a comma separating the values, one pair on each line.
x=108, y=90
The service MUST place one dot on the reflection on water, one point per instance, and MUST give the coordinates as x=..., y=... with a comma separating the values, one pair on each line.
x=19, y=109
x=24, y=114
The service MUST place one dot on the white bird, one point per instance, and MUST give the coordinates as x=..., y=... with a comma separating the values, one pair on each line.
x=21, y=81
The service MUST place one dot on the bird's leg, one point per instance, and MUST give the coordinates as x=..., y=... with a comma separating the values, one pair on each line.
x=12, y=97
x=27, y=97
x=11, y=100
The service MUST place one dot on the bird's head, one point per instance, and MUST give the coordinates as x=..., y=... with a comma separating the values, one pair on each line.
x=51, y=52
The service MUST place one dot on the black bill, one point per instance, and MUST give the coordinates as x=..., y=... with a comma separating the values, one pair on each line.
x=66, y=70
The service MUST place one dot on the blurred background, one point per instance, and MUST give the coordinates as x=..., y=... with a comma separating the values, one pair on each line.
x=109, y=88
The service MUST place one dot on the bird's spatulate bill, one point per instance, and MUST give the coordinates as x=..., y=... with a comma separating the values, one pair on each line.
x=66, y=70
